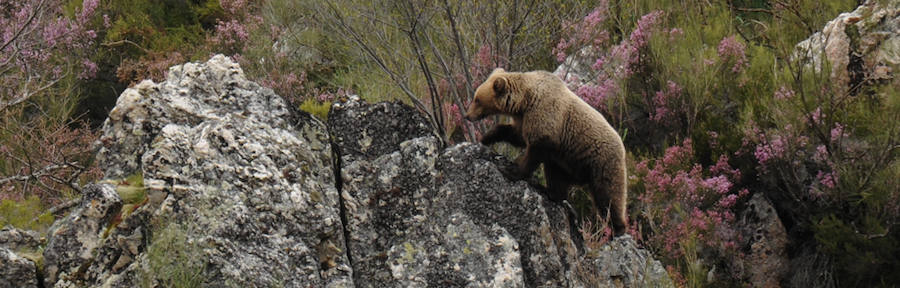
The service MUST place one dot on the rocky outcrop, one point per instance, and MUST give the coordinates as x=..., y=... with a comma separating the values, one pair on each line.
x=18, y=248
x=240, y=189
x=222, y=184
x=417, y=214
x=15, y=239
x=16, y=271
x=766, y=240
x=863, y=45
x=75, y=238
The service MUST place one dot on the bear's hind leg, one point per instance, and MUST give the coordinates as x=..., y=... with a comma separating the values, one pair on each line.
x=558, y=182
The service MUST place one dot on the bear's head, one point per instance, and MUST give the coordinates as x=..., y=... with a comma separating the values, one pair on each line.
x=492, y=97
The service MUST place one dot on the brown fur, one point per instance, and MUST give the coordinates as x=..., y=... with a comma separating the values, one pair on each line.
x=556, y=128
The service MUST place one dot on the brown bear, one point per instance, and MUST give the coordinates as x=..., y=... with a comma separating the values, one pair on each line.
x=556, y=128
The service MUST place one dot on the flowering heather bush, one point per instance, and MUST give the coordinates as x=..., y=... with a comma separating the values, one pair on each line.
x=44, y=52
x=687, y=208
x=733, y=51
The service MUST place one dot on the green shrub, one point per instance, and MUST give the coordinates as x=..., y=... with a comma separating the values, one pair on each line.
x=172, y=260
x=28, y=214
x=316, y=108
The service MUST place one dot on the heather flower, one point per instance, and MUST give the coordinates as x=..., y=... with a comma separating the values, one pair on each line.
x=662, y=101
x=816, y=115
x=768, y=151
x=89, y=69
x=784, y=93
x=821, y=154
x=730, y=49
x=728, y=201
x=829, y=180
x=642, y=32
x=837, y=132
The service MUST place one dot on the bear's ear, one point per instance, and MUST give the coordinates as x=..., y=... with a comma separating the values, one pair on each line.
x=500, y=86
x=498, y=70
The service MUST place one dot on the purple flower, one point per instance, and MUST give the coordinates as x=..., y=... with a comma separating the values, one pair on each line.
x=837, y=132
x=784, y=93
x=730, y=49
x=89, y=69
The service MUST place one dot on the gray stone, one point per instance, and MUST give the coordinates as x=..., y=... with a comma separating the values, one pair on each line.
x=241, y=182
x=621, y=263
x=417, y=215
x=765, y=238
x=862, y=45
x=15, y=239
x=16, y=271
x=73, y=239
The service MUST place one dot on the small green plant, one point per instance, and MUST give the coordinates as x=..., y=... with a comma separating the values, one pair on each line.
x=172, y=260
x=316, y=108
x=131, y=189
x=27, y=214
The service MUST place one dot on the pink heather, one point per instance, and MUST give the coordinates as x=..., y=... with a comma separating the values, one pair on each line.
x=728, y=201
x=720, y=184
x=662, y=102
x=88, y=7
x=641, y=34
x=766, y=152
x=784, y=93
x=89, y=69
x=837, y=132
x=730, y=49
x=821, y=154
x=828, y=180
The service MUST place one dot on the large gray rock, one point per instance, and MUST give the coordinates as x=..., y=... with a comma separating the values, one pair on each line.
x=14, y=239
x=417, y=214
x=240, y=188
x=16, y=271
x=862, y=45
x=74, y=239
x=241, y=191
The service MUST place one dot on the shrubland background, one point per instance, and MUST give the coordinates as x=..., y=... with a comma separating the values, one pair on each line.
x=710, y=97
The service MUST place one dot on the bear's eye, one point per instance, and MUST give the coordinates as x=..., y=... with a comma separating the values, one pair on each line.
x=477, y=101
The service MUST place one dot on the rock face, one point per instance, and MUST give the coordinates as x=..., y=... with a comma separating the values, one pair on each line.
x=74, y=239
x=16, y=271
x=236, y=189
x=863, y=45
x=14, y=239
x=766, y=240
x=234, y=178
x=420, y=215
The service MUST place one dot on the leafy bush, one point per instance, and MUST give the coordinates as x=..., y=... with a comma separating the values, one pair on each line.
x=172, y=260
x=26, y=214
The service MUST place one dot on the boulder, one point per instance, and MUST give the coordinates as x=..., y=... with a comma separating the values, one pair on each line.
x=418, y=214
x=766, y=240
x=862, y=45
x=240, y=188
x=212, y=180
x=16, y=271
x=15, y=239
x=74, y=239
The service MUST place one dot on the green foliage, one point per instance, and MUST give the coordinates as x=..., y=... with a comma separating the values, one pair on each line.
x=131, y=190
x=172, y=260
x=316, y=108
x=28, y=214
x=856, y=254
